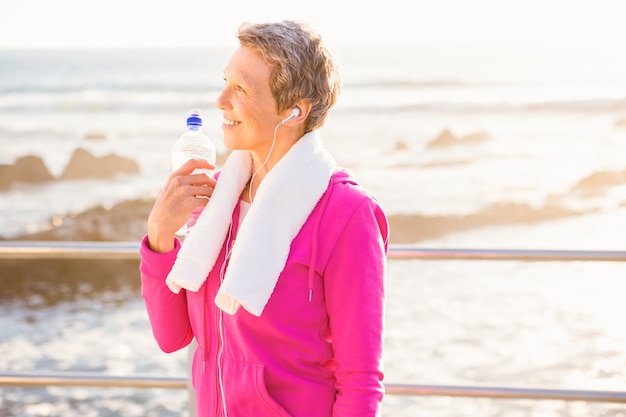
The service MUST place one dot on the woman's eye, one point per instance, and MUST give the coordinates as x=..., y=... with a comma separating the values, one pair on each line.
x=237, y=87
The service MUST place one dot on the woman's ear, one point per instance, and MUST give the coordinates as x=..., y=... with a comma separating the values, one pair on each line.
x=304, y=108
x=295, y=112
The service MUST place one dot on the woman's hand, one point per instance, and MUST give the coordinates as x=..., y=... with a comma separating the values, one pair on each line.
x=182, y=194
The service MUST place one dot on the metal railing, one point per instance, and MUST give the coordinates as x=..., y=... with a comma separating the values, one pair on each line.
x=129, y=250
x=70, y=379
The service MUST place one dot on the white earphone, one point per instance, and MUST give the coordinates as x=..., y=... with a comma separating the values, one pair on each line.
x=295, y=112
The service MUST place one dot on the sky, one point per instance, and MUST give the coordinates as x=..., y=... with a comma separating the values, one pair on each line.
x=169, y=23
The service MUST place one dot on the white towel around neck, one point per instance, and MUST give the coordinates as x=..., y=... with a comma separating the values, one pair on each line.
x=283, y=202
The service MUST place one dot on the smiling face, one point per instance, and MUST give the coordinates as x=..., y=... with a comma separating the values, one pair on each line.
x=249, y=108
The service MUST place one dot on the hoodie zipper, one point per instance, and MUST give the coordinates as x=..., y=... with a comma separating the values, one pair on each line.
x=220, y=326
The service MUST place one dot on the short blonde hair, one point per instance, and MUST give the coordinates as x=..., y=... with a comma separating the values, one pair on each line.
x=301, y=66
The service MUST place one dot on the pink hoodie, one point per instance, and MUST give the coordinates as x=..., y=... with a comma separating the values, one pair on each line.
x=317, y=348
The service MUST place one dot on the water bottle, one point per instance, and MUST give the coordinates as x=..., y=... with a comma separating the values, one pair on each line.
x=193, y=144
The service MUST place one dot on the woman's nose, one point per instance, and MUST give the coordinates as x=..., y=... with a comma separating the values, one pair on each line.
x=222, y=101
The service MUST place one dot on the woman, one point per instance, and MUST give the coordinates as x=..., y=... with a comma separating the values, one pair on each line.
x=281, y=279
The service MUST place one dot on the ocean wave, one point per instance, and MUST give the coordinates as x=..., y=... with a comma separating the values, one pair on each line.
x=99, y=99
x=408, y=83
x=132, y=86
x=483, y=106
x=144, y=100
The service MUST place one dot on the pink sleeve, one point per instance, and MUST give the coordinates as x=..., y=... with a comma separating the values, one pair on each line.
x=355, y=293
x=167, y=311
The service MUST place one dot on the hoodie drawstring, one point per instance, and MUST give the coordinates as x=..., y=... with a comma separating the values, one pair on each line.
x=314, y=237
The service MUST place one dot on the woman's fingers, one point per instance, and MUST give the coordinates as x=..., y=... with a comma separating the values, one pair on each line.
x=183, y=193
x=193, y=164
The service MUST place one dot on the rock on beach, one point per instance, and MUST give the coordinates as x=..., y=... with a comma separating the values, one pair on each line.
x=82, y=164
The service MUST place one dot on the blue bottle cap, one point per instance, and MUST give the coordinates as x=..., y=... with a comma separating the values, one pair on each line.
x=194, y=120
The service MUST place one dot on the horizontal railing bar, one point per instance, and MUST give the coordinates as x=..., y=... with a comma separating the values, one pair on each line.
x=80, y=379
x=413, y=252
x=67, y=379
x=502, y=392
x=68, y=250
x=130, y=250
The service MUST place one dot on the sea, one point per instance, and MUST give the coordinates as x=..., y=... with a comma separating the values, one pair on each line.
x=484, y=143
